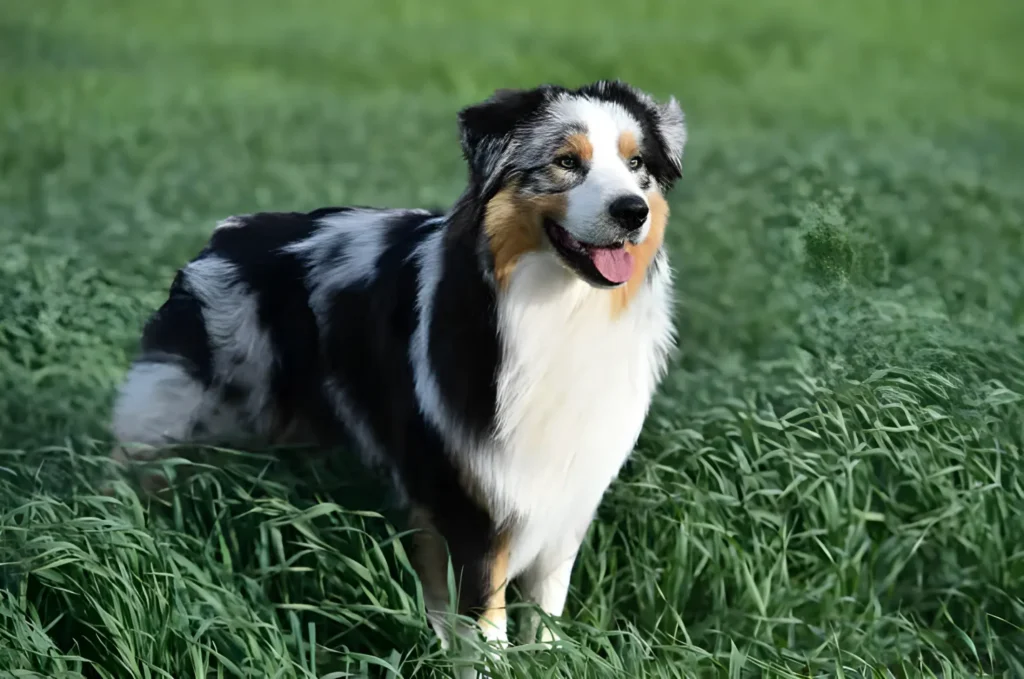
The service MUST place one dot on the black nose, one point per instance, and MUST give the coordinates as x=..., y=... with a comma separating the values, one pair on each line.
x=629, y=212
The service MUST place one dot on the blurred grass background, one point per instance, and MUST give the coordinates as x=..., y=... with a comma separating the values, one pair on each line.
x=831, y=481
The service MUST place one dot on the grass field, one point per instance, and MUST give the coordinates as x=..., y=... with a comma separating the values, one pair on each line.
x=832, y=480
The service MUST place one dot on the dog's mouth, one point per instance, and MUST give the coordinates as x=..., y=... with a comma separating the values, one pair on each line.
x=605, y=265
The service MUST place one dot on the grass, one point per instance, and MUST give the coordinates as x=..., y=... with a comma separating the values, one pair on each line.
x=831, y=482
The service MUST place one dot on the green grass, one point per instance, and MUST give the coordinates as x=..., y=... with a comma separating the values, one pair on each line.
x=831, y=482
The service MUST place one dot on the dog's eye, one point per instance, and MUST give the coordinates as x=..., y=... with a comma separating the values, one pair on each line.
x=567, y=162
x=636, y=162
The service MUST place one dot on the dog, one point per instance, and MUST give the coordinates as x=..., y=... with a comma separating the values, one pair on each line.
x=495, y=361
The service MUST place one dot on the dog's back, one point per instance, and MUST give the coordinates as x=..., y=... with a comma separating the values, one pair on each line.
x=235, y=355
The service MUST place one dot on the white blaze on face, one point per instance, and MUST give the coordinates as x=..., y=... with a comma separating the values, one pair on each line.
x=608, y=176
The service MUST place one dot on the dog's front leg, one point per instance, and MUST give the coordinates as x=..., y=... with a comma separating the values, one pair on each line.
x=480, y=565
x=546, y=584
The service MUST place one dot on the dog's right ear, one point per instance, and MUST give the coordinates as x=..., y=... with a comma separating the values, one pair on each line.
x=486, y=129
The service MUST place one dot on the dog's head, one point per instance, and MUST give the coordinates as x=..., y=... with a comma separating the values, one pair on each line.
x=578, y=173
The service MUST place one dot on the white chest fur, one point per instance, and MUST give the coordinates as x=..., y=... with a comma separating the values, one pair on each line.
x=573, y=392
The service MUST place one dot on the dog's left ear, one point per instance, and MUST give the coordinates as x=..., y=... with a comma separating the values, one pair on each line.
x=486, y=129
x=672, y=127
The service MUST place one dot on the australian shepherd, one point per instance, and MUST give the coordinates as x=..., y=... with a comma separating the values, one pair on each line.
x=496, y=360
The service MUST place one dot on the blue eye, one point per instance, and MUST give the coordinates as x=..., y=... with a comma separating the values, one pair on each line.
x=636, y=162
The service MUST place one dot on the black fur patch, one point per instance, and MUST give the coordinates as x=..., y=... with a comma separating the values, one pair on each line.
x=464, y=346
x=278, y=280
x=487, y=127
x=367, y=335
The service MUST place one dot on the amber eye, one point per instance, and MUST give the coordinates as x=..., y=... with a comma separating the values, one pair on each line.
x=568, y=162
x=636, y=162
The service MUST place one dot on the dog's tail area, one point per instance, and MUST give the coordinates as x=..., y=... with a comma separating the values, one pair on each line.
x=162, y=399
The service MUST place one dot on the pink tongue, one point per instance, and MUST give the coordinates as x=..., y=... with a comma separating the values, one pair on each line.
x=615, y=264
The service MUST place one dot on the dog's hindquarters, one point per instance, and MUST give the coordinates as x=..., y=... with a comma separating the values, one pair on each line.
x=161, y=398
x=232, y=356
x=173, y=392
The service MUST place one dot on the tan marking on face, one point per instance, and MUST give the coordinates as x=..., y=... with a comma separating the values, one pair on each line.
x=494, y=613
x=513, y=224
x=578, y=145
x=627, y=145
x=643, y=254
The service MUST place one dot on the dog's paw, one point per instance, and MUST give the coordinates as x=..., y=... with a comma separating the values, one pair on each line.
x=495, y=634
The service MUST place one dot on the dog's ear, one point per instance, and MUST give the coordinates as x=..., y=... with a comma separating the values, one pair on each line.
x=669, y=123
x=486, y=129
x=672, y=128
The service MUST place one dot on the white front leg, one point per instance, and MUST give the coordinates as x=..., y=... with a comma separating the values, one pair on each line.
x=546, y=583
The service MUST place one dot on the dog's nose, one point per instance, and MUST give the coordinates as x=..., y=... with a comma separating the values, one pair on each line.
x=629, y=211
